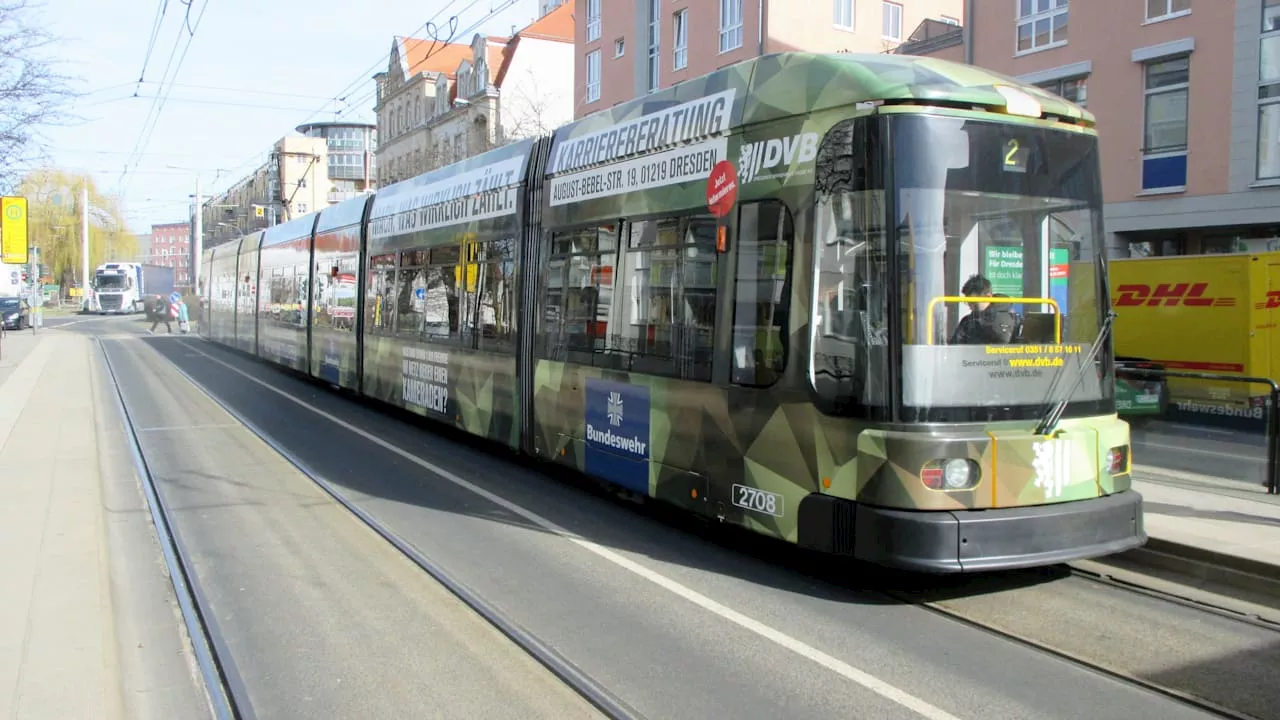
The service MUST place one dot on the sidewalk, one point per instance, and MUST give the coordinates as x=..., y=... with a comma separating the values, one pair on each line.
x=61, y=655
x=1238, y=522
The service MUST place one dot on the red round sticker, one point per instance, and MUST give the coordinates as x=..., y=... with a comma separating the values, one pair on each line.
x=722, y=188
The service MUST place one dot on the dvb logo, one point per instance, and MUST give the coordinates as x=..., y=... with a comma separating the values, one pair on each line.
x=766, y=155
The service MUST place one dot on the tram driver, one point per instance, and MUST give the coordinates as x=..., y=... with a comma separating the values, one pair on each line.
x=987, y=323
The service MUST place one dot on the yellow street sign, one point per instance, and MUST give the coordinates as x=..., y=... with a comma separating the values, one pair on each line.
x=13, y=230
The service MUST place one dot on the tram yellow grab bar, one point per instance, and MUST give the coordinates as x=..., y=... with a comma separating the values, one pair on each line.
x=1057, y=311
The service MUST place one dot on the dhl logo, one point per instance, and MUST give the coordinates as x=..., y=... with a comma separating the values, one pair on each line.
x=1272, y=301
x=1169, y=295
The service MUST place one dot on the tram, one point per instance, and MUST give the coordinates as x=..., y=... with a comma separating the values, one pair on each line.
x=740, y=296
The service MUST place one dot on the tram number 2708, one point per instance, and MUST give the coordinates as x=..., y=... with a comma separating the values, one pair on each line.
x=756, y=500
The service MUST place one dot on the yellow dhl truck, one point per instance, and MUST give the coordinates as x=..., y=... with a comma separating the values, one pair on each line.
x=1198, y=313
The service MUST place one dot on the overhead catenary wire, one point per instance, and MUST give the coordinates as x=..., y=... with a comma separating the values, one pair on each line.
x=162, y=96
x=151, y=43
x=429, y=25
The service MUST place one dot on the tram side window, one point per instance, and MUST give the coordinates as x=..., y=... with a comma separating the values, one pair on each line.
x=849, y=359
x=579, y=297
x=668, y=298
x=766, y=234
x=380, y=294
x=493, y=281
x=411, y=294
x=274, y=302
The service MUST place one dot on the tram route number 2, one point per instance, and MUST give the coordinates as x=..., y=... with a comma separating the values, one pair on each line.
x=757, y=500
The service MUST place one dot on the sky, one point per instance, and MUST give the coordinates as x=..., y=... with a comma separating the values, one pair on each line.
x=253, y=70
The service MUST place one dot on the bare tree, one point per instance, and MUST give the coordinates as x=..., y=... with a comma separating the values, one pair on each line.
x=31, y=91
x=527, y=110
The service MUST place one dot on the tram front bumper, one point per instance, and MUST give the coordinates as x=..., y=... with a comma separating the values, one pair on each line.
x=999, y=539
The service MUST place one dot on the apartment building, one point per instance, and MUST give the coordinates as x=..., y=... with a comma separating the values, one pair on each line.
x=351, y=154
x=171, y=247
x=293, y=181
x=438, y=103
x=628, y=48
x=1187, y=96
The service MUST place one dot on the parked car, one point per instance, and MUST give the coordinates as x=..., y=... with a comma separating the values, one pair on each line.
x=15, y=314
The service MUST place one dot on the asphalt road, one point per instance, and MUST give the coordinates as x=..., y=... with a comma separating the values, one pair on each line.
x=674, y=623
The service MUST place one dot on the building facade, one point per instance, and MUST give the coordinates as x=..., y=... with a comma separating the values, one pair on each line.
x=171, y=247
x=439, y=103
x=351, y=156
x=1187, y=96
x=628, y=48
x=292, y=182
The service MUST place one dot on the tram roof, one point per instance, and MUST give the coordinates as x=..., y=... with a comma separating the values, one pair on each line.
x=781, y=85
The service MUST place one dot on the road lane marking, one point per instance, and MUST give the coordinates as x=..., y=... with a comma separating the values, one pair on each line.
x=870, y=682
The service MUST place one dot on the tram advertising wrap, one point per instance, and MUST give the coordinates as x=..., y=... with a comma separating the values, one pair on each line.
x=830, y=299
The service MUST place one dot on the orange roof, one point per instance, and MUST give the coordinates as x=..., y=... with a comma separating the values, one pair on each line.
x=557, y=25
x=432, y=56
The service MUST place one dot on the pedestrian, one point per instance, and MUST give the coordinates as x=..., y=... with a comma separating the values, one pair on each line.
x=164, y=312
x=184, y=319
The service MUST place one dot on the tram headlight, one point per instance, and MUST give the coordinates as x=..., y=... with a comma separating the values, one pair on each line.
x=949, y=474
x=956, y=474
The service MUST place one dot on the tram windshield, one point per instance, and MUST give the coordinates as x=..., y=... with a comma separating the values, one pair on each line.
x=998, y=235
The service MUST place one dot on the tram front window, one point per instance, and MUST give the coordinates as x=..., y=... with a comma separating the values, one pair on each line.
x=998, y=235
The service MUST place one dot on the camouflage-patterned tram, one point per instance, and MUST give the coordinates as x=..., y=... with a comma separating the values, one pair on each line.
x=741, y=296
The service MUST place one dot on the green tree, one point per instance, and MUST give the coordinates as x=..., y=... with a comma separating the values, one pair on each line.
x=53, y=211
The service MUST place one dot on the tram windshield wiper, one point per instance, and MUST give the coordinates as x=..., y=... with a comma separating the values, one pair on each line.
x=1055, y=408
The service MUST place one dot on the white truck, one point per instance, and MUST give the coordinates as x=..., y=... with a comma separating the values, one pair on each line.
x=120, y=287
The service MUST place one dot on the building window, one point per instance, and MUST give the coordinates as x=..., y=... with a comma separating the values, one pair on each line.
x=619, y=47
x=655, y=41
x=593, y=20
x=730, y=25
x=1269, y=93
x=681, y=42
x=1041, y=24
x=1164, y=164
x=844, y=14
x=892, y=21
x=1165, y=9
x=593, y=76
x=1073, y=89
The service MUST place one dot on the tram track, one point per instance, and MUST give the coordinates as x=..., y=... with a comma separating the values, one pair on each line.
x=227, y=691
x=1025, y=634
x=582, y=683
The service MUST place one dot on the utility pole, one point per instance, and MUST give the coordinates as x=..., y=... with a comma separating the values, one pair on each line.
x=197, y=240
x=84, y=243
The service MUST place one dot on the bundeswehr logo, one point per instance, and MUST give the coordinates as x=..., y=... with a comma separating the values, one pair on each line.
x=617, y=433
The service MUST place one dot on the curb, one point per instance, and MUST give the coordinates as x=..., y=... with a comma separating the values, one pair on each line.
x=1240, y=578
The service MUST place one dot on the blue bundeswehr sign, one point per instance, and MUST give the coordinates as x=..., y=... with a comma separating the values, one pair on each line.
x=618, y=433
